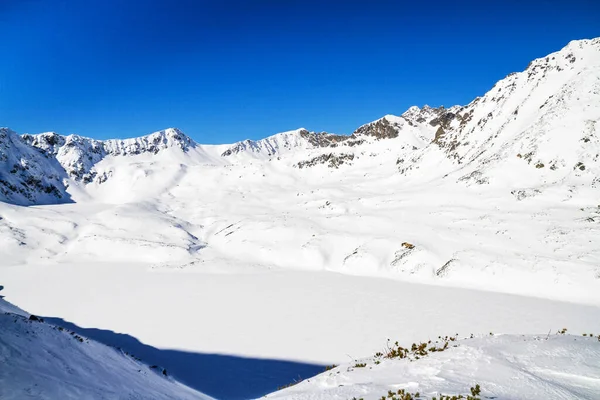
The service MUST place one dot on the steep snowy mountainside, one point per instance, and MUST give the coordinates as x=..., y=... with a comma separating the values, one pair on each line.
x=26, y=175
x=76, y=154
x=532, y=129
x=43, y=361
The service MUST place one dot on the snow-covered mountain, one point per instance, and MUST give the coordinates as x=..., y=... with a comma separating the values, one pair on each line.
x=533, y=134
x=78, y=155
x=539, y=124
x=534, y=128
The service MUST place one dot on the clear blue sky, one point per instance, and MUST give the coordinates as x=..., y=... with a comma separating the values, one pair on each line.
x=226, y=70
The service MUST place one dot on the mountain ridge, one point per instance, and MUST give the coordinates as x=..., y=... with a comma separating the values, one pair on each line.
x=519, y=116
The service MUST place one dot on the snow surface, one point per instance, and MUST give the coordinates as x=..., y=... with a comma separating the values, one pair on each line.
x=505, y=367
x=39, y=360
x=308, y=246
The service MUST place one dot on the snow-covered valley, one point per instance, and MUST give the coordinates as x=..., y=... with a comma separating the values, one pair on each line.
x=314, y=249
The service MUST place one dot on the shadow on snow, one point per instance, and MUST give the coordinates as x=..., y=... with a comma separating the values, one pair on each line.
x=224, y=377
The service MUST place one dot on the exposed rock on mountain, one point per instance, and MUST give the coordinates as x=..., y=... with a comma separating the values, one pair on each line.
x=26, y=175
x=541, y=121
x=380, y=129
x=331, y=159
x=324, y=139
x=76, y=154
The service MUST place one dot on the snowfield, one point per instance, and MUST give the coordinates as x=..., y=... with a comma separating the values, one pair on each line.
x=312, y=249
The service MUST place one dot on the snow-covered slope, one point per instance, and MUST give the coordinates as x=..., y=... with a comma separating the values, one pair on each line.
x=39, y=360
x=498, y=367
x=532, y=130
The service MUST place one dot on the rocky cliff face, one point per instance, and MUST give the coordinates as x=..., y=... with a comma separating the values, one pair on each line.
x=76, y=154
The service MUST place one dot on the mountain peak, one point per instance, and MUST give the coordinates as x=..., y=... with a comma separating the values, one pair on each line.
x=152, y=143
x=270, y=145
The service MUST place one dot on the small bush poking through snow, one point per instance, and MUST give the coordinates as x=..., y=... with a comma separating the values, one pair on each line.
x=475, y=392
x=416, y=351
x=402, y=394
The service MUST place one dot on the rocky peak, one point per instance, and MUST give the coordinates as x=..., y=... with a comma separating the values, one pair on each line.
x=433, y=116
x=153, y=143
x=383, y=128
x=49, y=142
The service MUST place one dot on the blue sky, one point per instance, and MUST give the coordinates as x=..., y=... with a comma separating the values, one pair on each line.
x=226, y=70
